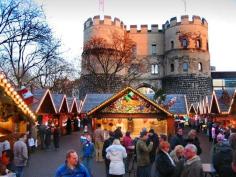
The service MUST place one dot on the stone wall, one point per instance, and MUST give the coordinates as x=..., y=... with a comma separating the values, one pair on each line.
x=194, y=86
x=90, y=84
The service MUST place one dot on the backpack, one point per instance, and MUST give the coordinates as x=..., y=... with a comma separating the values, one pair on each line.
x=88, y=149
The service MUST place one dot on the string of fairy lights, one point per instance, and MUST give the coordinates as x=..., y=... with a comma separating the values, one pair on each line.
x=10, y=91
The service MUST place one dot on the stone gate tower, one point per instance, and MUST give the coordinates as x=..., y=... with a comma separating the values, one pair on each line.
x=187, y=58
x=175, y=58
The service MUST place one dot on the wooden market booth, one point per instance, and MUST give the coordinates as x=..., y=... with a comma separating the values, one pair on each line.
x=44, y=107
x=15, y=115
x=232, y=111
x=221, y=105
x=61, y=105
x=132, y=111
x=192, y=111
x=73, y=106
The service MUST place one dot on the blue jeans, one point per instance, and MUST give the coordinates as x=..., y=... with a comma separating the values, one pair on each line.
x=19, y=171
x=87, y=161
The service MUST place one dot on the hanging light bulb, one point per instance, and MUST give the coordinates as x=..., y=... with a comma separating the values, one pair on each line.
x=8, y=85
x=4, y=81
x=2, y=76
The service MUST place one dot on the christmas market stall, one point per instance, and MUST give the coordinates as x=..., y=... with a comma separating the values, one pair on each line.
x=221, y=104
x=74, y=106
x=44, y=107
x=130, y=110
x=177, y=105
x=15, y=115
x=207, y=101
x=61, y=105
x=192, y=110
x=232, y=111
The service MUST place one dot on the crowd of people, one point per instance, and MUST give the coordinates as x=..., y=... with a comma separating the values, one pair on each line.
x=146, y=155
x=153, y=154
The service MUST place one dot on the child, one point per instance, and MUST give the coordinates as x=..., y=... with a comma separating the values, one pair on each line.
x=88, y=152
x=31, y=143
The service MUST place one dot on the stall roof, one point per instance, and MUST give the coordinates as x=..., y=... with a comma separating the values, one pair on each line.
x=233, y=104
x=224, y=98
x=39, y=98
x=60, y=100
x=121, y=93
x=192, y=109
x=72, y=102
x=79, y=104
x=93, y=100
x=176, y=103
x=11, y=92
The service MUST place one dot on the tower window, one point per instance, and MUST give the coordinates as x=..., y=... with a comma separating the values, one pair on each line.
x=134, y=50
x=172, y=67
x=155, y=69
x=172, y=44
x=185, y=43
x=199, y=44
x=207, y=46
x=199, y=66
x=185, y=67
x=154, y=49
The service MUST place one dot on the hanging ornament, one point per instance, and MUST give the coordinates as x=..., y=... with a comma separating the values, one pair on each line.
x=127, y=98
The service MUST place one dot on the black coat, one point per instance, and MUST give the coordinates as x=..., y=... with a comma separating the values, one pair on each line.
x=177, y=140
x=154, y=138
x=196, y=142
x=163, y=165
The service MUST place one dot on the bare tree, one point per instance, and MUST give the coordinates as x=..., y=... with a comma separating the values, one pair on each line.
x=28, y=50
x=105, y=62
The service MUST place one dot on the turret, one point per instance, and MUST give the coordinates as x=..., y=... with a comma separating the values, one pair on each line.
x=187, y=58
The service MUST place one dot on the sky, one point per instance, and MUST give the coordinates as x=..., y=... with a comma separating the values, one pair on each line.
x=66, y=18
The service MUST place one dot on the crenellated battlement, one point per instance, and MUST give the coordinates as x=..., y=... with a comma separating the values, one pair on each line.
x=196, y=20
x=144, y=29
x=107, y=20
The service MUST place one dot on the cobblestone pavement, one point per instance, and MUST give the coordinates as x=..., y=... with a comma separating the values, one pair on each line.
x=44, y=163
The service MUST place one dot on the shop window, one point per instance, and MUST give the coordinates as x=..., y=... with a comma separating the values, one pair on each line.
x=199, y=66
x=172, y=67
x=199, y=44
x=185, y=67
x=172, y=44
x=154, y=49
x=185, y=43
x=155, y=69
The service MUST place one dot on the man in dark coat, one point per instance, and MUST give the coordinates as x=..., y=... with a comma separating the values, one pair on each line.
x=193, y=139
x=106, y=144
x=56, y=137
x=68, y=126
x=223, y=157
x=153, y=137
x=164, y=164
x=178, y=139
x=48, y=137
x=76, y=123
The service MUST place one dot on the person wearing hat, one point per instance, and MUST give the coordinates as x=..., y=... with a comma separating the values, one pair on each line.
x=143, y=158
